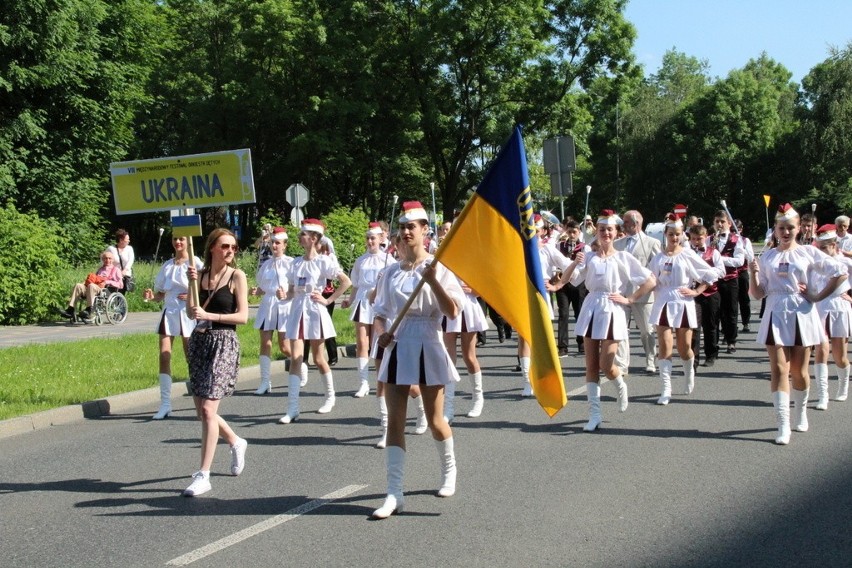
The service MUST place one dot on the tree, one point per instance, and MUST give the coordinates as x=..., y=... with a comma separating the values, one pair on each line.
x=72, y=74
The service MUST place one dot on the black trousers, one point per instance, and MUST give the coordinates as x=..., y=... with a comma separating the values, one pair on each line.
x=743, y=298
x=707, y=309
x=331, y=342
x=569, y=297
x=729, y=291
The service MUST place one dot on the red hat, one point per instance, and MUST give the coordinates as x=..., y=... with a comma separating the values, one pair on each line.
x=608, y=217
x=786, y=213
x=413, y=211
x=314, y=225
x=827, y=232
x=673, y=220
x=279, y=234
x=375, y=228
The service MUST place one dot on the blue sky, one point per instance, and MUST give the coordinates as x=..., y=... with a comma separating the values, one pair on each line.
x=727, y=33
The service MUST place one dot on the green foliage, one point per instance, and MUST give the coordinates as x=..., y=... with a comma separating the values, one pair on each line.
x=346, y=229
x=28, y=277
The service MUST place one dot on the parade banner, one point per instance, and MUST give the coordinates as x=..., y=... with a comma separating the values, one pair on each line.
x=198, y=180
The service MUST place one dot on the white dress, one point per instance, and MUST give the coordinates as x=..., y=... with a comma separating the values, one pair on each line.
x=787, y=310
x=272, y=312
x=471, y=318
x=365, y=272
x=312, y=318
x=552, y=263
x=605, y=276
x=673, y=273
x=172, y=281
x=418, y=344
x=835, y=313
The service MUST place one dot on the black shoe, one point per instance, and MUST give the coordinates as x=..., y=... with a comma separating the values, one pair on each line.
x=67, y=312
x=86, y=315
x=732, y=348
x=581, y=349
x=332, y=362
x=563, y=352
x=517, y=369
x=710, y=362
x=746, y=329
x=508, y=331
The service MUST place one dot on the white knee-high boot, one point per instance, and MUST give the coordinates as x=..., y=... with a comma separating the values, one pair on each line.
x=364, y=375
x=478, y=398
x=593, y=394
x=665, y=368
x=800, y=410
x=383, y=422
x=422, y=424
x=447, y=457
x=842, y=382
x=265, y=380
x=525, y=372
x=821, y=377
x=303, y=374
x=688, y=375
x=326, y=407
x=621, y=386
x=292, y=400
x=394, y=501
x=449, y=400
x=781, y=401
x=165, y=397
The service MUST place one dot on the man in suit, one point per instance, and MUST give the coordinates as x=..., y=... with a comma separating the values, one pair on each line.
x=644, y=248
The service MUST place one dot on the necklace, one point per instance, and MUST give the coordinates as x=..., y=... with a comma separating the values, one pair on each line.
x=215, y=284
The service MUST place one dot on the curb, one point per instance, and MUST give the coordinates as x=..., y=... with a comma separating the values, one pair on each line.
x=125, y=402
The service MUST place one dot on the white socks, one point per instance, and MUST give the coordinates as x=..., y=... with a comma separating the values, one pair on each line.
x=265, y=380
x=165, y=397
x=665, y=368
x=593, y=394
x=326, y=407
x=622, y=392
x=688, y=375
x=292, y=400
x=364, y=375
x=842, y=382
x=525, y=371
x=821, y=379
x=478, y=398
x=781, y=401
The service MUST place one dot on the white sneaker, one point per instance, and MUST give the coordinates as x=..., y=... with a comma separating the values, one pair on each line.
x=200, y=485
x=238, y=456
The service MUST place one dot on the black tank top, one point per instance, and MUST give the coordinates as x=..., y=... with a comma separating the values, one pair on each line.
x=222, y=302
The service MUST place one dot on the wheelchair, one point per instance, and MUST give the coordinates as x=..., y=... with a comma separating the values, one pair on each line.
x=110, y=306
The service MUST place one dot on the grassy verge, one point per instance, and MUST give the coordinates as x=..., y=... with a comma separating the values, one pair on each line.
x=40, y=377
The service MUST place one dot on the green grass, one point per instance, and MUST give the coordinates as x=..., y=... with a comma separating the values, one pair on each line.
x=40, y=377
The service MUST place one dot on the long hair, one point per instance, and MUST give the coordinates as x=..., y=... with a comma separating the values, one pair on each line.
x=208, y=247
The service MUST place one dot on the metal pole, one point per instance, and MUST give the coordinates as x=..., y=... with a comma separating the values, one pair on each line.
x=588, y=191
x=434, y=210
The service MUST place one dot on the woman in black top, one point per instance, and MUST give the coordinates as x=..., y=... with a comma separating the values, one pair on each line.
x=214, y=350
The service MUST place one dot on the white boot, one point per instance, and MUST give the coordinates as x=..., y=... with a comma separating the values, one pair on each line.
x=800, y=410
x=478, y=398
x=665, y=369
x=447, y=457
x=364, y=375
x=165, y=397
x=303, y=374
x=383, y=421
x=394, y=501
x=525, y=371
x=593, y=394
x=781, y=401
x=265, y=381
x=326, y=407
x=422, y=423
x=449, y=399
x=292, y=400
x=622, y=392
x=821, y=377
x=688, y=375
x=842, y=383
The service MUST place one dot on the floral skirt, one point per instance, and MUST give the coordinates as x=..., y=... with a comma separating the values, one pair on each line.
x=214, y=363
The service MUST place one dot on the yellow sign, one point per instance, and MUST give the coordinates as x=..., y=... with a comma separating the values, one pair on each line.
x=766, y=199
x=199, y=180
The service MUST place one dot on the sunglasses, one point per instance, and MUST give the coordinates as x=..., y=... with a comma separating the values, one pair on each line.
x=229, y=246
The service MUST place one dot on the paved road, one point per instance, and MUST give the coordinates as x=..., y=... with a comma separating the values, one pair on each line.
x=697, y=483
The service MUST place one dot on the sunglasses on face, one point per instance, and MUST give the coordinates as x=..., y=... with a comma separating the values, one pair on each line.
x=229, y=246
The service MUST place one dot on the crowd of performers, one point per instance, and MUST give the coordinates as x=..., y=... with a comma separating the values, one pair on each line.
x=679, y=293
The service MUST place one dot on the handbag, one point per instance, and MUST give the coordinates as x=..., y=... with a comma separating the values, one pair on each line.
x=128, y=281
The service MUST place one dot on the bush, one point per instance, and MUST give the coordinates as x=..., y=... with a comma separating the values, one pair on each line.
x=346, y=228
x=29, y=275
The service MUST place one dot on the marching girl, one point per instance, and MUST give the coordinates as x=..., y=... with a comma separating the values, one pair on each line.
x=790, y=326
x=272, y=312
x=365, y=272
x=171, y=287
x=835, y=315
x=469, y=322
x=603, y=320
x=675, y=269
x=416, y=355
x=309, y=319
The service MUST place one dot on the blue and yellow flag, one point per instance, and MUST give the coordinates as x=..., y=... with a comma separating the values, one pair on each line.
x=493, y=247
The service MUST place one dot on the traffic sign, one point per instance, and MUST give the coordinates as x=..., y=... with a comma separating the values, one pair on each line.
x=297, y=195
x=296, y=216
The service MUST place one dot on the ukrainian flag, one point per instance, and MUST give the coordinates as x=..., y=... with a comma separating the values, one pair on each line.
x=493, y=247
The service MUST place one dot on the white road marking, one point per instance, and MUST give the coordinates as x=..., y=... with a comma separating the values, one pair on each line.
x=262, y=526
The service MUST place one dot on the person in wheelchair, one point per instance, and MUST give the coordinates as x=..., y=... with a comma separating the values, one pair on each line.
x=107, y=276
